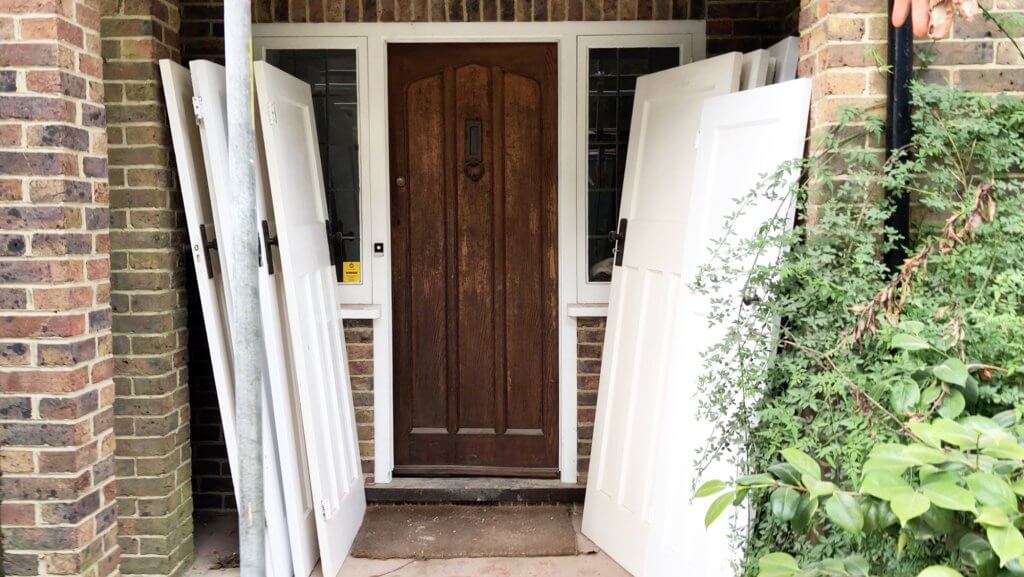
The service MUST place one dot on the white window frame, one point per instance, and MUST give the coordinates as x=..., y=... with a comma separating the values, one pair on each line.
x=593, y=292
x=361, y=292
x=370, y=41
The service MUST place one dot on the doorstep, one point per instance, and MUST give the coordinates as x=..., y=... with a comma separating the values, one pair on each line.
x=474, y=490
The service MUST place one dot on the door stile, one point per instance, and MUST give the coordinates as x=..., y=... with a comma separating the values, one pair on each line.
x=451, y=354
x=501, y=376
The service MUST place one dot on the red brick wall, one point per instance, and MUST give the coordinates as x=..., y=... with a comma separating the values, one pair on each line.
x=57, y=484
x=148, y=297
x=732, y=24
x=590, y=341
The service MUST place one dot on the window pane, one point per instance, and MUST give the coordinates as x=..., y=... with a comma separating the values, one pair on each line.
x=612, y=79
x=332, y=76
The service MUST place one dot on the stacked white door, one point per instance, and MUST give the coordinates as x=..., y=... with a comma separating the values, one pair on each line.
x=645, y=294
x=213, y=292
x=757, y=68
x=290, y=527
x=743, y=137
x=314, y=330
x=786, y=55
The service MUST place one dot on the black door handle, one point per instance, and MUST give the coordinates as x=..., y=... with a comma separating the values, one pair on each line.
x=268, y=241
x=207, y=246
x=618, y=240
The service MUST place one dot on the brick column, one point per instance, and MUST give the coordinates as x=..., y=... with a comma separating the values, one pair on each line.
x=57, y=486
x=148, y=293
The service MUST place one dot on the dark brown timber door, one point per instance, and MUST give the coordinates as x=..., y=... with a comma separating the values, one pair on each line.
x=473, y=209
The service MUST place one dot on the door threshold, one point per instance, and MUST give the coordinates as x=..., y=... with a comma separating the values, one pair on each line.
x=470, y=490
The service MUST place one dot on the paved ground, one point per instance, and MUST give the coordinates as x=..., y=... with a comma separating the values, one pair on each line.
x=217, y=542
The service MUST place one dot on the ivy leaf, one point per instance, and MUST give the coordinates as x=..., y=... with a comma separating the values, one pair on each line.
x=952, y=371
x=884, y=485
x=709, y=488
x=760, y=479
x=785, y=473
x=802, y=462
x=784, y=502
x=716, y=508
x=975, y=549
x=844, y=511
x=816, y=488
x=953, y=405
x=949, y=496
x=1004, y=449
x=1007, y=542
x=857, y=565
x=909, y=342
x=777, y=565
x=909, y=505
x=954, y=433
x=904, y=396
x=993, y=491
x=939, y=571
x=992, y=517
x=889, y=458
x=804, y=513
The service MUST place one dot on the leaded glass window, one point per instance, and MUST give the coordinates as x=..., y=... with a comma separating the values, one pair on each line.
x=611, y=83
x=332, y=76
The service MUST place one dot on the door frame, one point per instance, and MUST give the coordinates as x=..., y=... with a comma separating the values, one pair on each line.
x=372, y=299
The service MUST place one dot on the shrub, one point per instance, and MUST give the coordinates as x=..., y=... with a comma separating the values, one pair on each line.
x=879, y=414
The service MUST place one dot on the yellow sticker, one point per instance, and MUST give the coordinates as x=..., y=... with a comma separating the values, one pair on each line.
x=350, y=271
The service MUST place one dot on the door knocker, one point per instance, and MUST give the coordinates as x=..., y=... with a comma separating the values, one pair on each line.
x=473, y=167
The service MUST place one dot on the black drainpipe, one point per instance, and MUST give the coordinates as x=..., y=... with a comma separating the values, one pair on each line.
x=898, y=129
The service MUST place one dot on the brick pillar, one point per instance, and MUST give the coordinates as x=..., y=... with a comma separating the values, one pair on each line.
x=839, y=43
x=148, y=293
x=57, y=487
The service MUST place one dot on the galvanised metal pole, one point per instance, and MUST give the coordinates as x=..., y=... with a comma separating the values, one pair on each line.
x=247, y=340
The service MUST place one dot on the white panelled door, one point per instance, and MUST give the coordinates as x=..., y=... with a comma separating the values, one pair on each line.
x=195, y=197
x=314, y=329
x=743, y=137
x=756, y=67
x=287, y=421
x=290, y=531
x=645, y=292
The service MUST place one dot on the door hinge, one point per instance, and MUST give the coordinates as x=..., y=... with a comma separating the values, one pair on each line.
x=197, y=108
x=273, y=114
x=325, y=509
x=696, y=141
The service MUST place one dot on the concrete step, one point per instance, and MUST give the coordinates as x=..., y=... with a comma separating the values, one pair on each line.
x=474, y=490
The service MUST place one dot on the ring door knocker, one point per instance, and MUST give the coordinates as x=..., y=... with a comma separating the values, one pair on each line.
x=473, y=167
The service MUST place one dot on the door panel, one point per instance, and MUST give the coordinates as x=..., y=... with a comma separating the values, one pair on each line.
x=473, y=163
x=743, y=137
x=313, y=328
x=637, y=370
x=281, y=473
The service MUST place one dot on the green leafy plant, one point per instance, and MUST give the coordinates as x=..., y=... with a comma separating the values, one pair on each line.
x=876, y=416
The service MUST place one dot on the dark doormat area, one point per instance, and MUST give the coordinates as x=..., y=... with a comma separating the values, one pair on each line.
x=450, y=531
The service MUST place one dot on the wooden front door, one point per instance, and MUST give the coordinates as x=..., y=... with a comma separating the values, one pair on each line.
x=473, y=226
